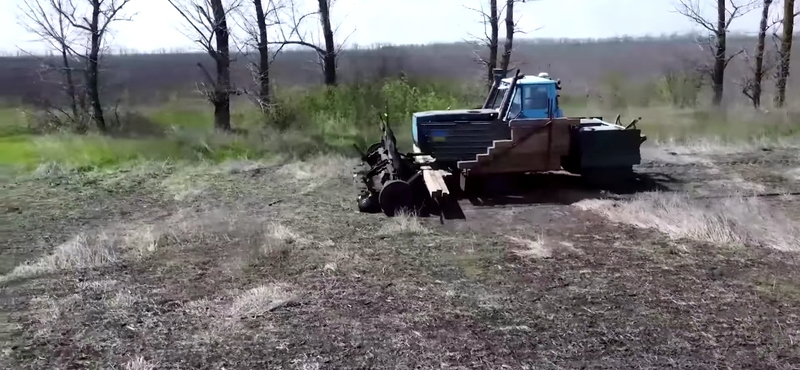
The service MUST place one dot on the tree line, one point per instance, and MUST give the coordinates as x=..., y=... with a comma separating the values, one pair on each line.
x=76, y=30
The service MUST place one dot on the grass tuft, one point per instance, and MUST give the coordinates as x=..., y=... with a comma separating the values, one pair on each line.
x=260, y=300
x=531, y=248
x=403, y=223
x=139, y=363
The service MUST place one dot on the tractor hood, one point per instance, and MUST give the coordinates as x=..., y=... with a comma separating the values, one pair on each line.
x=454, y=135
x=456, y=115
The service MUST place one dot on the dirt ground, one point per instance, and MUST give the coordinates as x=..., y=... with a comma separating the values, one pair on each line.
x=268, y=265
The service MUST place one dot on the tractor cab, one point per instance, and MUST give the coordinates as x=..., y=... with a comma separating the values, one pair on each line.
x=533, y=97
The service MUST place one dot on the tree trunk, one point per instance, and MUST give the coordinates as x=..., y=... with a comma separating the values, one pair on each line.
x=493, y=42
x=70, y=88
x=222, y=88
x=758, y=74
x=509, y=44
x=92, y=71
x=263, y=51
x=785, y=52
x=329, y=57
x=718, y=73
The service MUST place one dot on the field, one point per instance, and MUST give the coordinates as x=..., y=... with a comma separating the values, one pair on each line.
x=167, y=246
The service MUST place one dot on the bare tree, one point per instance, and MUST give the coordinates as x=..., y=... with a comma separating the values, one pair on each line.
x=512, y=28
x=209, y=21
x=102, y=13
x=490, y=38
x=785, y=52
x=42, y=18
x=752, y=86
x=716, y=43
x=329, y=52
x=258, y=37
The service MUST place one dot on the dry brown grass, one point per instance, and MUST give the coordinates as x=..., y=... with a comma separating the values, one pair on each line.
x=531, y=248
x=140, y=363
x=403, y=223
x=734, y=220
x=120, y=302
x=222, y=316
x=793, y=174
x=736, y=184
x=305, y=364
x=665, y=153
x=102, y=286
x=260, y=300
x=310, y=175
x=710, y=145
x=47, y=312
x=278, y=235
x=92, y=250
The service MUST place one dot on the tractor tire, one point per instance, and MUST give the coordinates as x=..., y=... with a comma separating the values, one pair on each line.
x=396, y=196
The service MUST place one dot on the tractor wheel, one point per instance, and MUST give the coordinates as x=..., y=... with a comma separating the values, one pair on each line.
x=396, y=196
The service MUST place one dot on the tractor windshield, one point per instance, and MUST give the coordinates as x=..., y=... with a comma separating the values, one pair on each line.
x=527, y=101
x=531, y=101
x=535, y=97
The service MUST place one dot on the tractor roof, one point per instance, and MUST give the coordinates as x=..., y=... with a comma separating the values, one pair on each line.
x=530, y=80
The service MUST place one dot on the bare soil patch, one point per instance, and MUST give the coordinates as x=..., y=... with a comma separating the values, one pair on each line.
x=269, y=265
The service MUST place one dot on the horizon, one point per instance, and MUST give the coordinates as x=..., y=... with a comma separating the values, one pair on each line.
x=518, y=41
x=656, y=19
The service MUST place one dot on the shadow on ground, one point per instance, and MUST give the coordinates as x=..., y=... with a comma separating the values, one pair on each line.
x=560, y=188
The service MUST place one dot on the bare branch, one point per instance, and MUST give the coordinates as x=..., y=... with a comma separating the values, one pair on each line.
x=691, y=9
x=327, y=51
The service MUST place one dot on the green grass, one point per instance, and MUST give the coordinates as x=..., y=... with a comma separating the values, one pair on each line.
x=18, y=149
x=181, y=116
x=13, y=122
x=331, y=120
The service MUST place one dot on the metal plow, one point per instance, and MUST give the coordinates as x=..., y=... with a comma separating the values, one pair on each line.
x=393, y=182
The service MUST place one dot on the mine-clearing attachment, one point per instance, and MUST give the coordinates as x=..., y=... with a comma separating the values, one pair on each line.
x=393, y=182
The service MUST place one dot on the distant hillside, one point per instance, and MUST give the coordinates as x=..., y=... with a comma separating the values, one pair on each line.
x=581, y=65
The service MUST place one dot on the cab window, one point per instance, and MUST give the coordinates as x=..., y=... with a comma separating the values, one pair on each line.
x=535, y=97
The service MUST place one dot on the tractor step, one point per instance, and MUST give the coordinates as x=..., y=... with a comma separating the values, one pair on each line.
x=535, y=145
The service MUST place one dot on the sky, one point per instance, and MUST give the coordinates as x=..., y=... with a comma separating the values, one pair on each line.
x=157, y=26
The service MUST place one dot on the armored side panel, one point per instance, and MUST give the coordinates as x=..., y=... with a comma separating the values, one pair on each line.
x=535, y=145
x=596, y=147
x=451, y=136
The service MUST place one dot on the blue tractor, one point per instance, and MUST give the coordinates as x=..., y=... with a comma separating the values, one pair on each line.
x=519, y=129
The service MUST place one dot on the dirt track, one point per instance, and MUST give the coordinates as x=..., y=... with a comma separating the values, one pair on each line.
x=268, y=266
